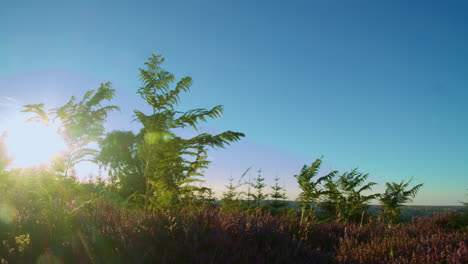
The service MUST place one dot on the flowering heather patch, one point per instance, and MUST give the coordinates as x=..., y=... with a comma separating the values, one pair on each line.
x=101, y=232
x=422, y=241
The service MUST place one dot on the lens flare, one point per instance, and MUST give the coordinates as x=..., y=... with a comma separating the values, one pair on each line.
x=31, y=144
x=7, y=213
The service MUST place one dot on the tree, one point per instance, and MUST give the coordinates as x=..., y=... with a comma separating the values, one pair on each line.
x=232, y=197
x=258, y=185
x=395, y=195
x=345, y=199
x=119, y=154
x=81, y=123
x=311, y=190
x=168, y=164
x=278, y=194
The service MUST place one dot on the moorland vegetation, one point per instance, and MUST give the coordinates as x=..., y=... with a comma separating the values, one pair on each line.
x=153, y=207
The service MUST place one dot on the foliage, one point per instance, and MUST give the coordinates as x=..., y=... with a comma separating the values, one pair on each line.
x=48, y=218
x=258, y=185
x=422, y=241
x=81, y=123
x=395, y=195
x=101, y=232
x=231, y=199
x=278, y=194
x=345, y=200
x=58, y=220
x=206, y=196
x=119, y=155
x=166, y=165
x=22, y=241
x=312, y=189
x=459, y=220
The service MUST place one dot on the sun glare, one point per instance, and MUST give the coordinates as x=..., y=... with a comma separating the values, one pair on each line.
x=32, y=143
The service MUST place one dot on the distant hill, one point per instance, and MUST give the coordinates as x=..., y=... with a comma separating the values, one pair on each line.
x=424, y=210
x=409, y=211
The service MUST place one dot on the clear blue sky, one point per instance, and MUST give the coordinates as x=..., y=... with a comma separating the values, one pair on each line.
x=382, y=85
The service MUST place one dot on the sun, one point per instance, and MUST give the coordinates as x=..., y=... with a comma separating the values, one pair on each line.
x=31, y=143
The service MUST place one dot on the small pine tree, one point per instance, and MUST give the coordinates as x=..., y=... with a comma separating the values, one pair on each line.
x=278, y=195
x=231, y=193
x=231, y=199
x=258, y=185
